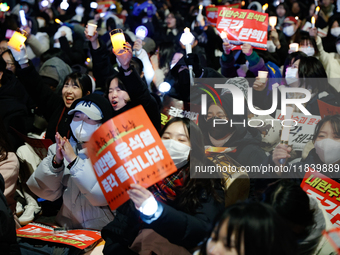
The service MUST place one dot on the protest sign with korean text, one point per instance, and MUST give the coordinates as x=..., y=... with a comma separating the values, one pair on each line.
x=127, y=149
x=243, y=26
x=303, y=132
x=79, y=238
x=327, y=109
x=211, y=12
x=325, y=190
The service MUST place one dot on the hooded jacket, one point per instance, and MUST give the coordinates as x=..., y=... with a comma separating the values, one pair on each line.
x=56, y=69
x=84, y=205
x=246, y=139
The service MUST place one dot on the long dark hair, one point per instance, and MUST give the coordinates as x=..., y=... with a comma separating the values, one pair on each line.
x=293, y=56
x=312, y=74
x=334, y=120
x=5, y=145
x=292, y=204
x=188, y=199
x=166, y=52
x=81, y=79
x=257, y=228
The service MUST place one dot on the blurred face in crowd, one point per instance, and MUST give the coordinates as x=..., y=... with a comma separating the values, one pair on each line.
x=117, y=97
x=311, y=9
x=327, y=3
x=280, y=11
x=327, y=143
x=295, y=8
x=307, y=47
x=292, y=76
x=217, y=243
x=9, y=62
x=71, y=92
x=3, y=46
x=171, y=21
x=335, y=24
x=177, y=131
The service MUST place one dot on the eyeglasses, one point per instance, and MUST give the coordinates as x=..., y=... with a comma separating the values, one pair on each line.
x=220, y=116
x=9, y=64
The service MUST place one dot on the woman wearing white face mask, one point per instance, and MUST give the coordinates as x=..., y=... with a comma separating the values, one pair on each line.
x=326, y=149
x=178, y=208
x=67, y=171
x=333, y=32
x=291, y=29
x=305, y=72
x=330, y=60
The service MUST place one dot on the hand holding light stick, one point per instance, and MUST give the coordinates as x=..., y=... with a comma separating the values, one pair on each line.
x=286, y=130
x=186, y=39
x=141, y=32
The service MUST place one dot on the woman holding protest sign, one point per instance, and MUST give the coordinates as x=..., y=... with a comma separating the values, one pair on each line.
x=177, y=208
x=324, y=157
x=124, y=89
x=67, y=170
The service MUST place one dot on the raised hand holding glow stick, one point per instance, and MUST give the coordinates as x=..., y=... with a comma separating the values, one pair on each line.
x=187, y=39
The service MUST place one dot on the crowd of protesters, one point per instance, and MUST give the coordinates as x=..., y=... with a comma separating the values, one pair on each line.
x=65, y=81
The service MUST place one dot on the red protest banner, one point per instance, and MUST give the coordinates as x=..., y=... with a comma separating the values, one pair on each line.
x=327, y=109
x=212, y=12
x=40, y=146
x=333, y=236
x=324, y=189
x=243, y=26
x=127, y=149
x=79, y=238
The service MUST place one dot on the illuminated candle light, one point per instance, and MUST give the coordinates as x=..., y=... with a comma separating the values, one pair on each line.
x=88, y=60
x=118, y=41
x=313, y=22
x=58, y=21
x=263, y=76
x=91, y=28
x=141, y=32
x=16, y=41
x=64, y=5
x=264, y=8
x=294, y=47
x=4, y=7
x=224, y=36
x=296, y=18
x=317, y=9
x=272, y=21
x=199, y=17
x=187, y=39
x=23, y=18
x=243, y=3
x=94, y=5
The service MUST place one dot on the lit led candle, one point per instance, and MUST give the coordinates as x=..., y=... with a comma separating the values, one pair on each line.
x=16, y=41
x=313, y=22
x=23, y=18
x=224, y=36
x=58, y=21
x=187, y=39
x=264, y=8
x=91, y=28
x=263, y=76
x=117, y=40
x=272, y=21
x=243, y=3
x=317, y=9
x=294, y=47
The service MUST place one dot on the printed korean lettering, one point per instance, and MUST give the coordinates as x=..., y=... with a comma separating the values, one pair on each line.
x=132, y=167
x=147, y=137
x=109, y=182
x=122, y=174
x=136, y=143
x=123, y=150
